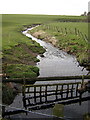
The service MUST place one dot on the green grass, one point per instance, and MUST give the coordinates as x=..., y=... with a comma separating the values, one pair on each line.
x=72, y=37
x=17, y=48
x=19, y=52
x=28, y=71
x=13, y=24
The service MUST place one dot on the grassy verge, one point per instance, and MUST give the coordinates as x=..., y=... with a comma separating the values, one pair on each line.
x=17, y=48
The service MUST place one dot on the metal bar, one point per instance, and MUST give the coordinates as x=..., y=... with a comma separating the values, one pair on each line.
x=56, y=91
x=77, y=89
x=13, y=112
x=33, y=80
x=51, y=101
x=24, y=102
x=82, y=81
x=72, y=91
x=61, y=92
x=29, y=101
x=67, y=91
x=44, y=106
x=28, y=89
x=51, y=84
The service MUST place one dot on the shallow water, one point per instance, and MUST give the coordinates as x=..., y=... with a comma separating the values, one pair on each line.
x=56, y=62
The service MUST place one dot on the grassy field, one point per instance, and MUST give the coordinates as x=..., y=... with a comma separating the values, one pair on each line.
x=71, y=37
x=19, y=51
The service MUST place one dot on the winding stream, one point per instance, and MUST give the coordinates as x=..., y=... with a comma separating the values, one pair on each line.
x=56, y=63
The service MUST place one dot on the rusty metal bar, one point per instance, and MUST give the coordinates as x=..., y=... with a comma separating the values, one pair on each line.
x=33, y=80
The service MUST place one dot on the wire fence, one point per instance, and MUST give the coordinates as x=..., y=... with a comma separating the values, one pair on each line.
x=65, y=30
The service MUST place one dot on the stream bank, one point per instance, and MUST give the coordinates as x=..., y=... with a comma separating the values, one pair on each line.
x=56, y=62
x=73, y=44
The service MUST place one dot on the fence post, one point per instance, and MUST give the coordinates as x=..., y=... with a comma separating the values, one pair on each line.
x=78, y=32
x=66, y=30
x=82, y=81
x=56, y=91
x=61, y=30
x=67, y=91
x=77, y=90
x=75, y=31
x=62, y=92
x=86, y=37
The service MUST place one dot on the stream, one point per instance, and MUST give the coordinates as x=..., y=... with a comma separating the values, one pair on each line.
x=57, y=63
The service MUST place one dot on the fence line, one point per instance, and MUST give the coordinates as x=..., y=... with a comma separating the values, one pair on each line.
x=66, y=31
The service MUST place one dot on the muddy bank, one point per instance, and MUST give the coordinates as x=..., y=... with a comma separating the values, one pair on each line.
x=40, y=34
x=19, y=61
x=44, y=36
x=55, y=63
